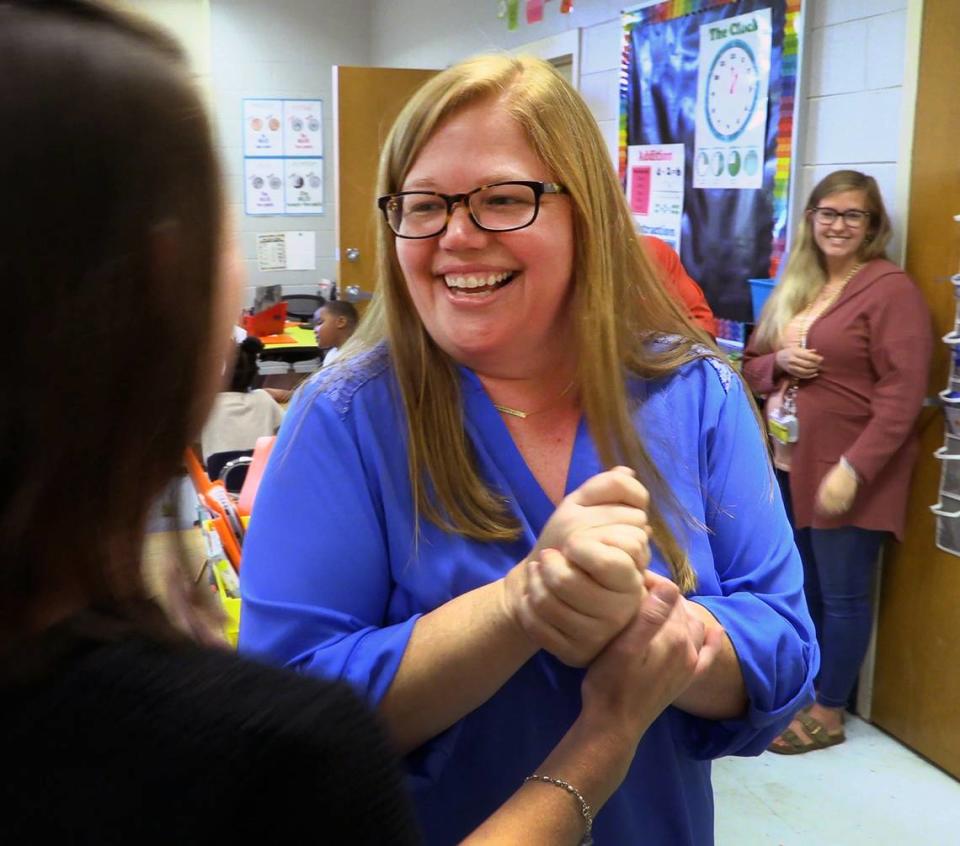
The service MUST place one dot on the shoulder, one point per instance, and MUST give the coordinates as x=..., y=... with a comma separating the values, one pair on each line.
x=885, y=276
x=341, y=382
x=261, y=397
x=218, y=700
x=704, y=370
x=690, y=400
x=211, y=721
x=892, y=293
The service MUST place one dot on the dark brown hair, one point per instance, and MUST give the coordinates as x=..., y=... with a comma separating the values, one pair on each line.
x=108, y=264
x=342, y=308
x=245, y=364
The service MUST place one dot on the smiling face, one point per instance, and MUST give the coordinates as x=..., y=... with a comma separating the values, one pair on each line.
x=838, y=241
x=495, y=301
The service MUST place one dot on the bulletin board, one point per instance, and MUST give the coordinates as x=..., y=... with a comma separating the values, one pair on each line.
x=707, y=92
x=283, y=156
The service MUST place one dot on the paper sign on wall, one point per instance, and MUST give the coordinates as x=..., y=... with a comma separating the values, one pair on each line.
x=263, y=127
x=655, y=189
x=283, y=156
x=732, y=87
x=263, y=182
x=303, y=186
x=287, y=251
x=302, y=125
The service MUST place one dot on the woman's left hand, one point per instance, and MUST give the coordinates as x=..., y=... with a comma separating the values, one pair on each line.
x=837, y=490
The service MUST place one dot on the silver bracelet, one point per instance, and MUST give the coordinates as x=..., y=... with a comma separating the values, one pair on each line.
x=585, y=810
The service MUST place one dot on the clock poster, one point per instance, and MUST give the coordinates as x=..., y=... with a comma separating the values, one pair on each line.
x=731, y=108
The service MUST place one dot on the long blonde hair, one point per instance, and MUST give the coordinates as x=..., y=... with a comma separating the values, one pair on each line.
x=618, y=305
x=806, y=270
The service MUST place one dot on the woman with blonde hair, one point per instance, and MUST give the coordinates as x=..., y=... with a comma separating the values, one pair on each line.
x=841, y=354
x=524, y=440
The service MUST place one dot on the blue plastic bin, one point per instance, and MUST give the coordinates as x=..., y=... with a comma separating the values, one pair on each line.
x=759, y=291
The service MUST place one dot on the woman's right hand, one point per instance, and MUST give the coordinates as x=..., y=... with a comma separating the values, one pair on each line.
x=799, y=361
x=581, y=583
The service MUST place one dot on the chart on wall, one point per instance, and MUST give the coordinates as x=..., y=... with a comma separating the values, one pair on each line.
x=716, y=78
x=283, y=156
x=732, y=84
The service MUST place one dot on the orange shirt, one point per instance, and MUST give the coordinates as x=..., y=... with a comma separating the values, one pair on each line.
x=679, y=283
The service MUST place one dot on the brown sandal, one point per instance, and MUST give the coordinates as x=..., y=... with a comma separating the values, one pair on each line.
x=820, y=738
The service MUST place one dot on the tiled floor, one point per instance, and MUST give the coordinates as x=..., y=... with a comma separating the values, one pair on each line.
x=869, y=791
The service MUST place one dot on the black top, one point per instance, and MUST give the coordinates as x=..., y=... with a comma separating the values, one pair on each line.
x=133, y=740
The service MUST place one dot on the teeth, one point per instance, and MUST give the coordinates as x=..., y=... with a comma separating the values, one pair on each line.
x=475, y=280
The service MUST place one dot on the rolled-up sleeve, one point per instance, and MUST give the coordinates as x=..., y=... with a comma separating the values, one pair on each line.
x=759, y=597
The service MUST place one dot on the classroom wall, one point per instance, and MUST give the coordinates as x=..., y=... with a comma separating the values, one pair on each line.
x=282, y=48
x=853, y=113
x=857, y=109
x=190, y=20
x=425, y=33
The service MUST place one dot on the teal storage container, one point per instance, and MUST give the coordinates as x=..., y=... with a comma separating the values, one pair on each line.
x=759, y=291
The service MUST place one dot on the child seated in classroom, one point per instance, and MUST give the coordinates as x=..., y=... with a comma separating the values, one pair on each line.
x=240, y=415
x=334, y=323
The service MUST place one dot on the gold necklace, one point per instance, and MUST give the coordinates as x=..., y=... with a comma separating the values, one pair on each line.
x=812, y=315
x=523, y=415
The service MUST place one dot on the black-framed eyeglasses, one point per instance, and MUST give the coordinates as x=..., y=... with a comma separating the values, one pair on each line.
x=854, y=218
x=500, y=207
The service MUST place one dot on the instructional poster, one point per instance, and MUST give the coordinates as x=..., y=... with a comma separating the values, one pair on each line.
x=302, y=125
x=655, y=189
x=263, y=182
x=731, y=109
x=283, y=156
x=303, y=186
x=263, y=127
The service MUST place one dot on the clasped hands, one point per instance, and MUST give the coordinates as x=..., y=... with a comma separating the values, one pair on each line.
x=584, y=593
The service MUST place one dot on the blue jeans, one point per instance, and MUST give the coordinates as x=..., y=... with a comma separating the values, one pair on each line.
x=839, y=566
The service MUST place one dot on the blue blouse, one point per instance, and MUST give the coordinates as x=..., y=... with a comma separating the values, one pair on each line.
x=333, y=584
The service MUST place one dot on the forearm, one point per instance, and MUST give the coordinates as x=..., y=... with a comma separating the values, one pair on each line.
x=720, y=693
x=593, y=757
x=761, y=371
x=458, y=656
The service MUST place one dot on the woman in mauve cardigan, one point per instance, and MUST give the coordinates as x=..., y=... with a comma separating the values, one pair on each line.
x=850, y=333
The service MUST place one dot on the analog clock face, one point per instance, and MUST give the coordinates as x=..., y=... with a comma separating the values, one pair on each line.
x=732, y=89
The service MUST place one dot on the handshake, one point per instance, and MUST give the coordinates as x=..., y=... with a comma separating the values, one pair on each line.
x=585, y=594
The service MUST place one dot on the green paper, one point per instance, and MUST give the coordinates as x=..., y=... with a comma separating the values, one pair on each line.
x=513, y=14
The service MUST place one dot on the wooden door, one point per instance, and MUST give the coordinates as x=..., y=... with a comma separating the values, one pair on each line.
x=917, y=673
x=366, y=102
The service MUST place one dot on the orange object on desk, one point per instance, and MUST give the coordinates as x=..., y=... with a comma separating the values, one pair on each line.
x=277, y=339
x=271, y=321
x=215, y=498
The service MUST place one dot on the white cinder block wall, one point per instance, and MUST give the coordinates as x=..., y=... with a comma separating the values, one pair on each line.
x=426, y=33
x=854, y=103
x=282, y=48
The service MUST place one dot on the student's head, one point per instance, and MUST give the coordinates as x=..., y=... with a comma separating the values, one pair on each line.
x=334, y=323
x=245, y=364
x=111, y=265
